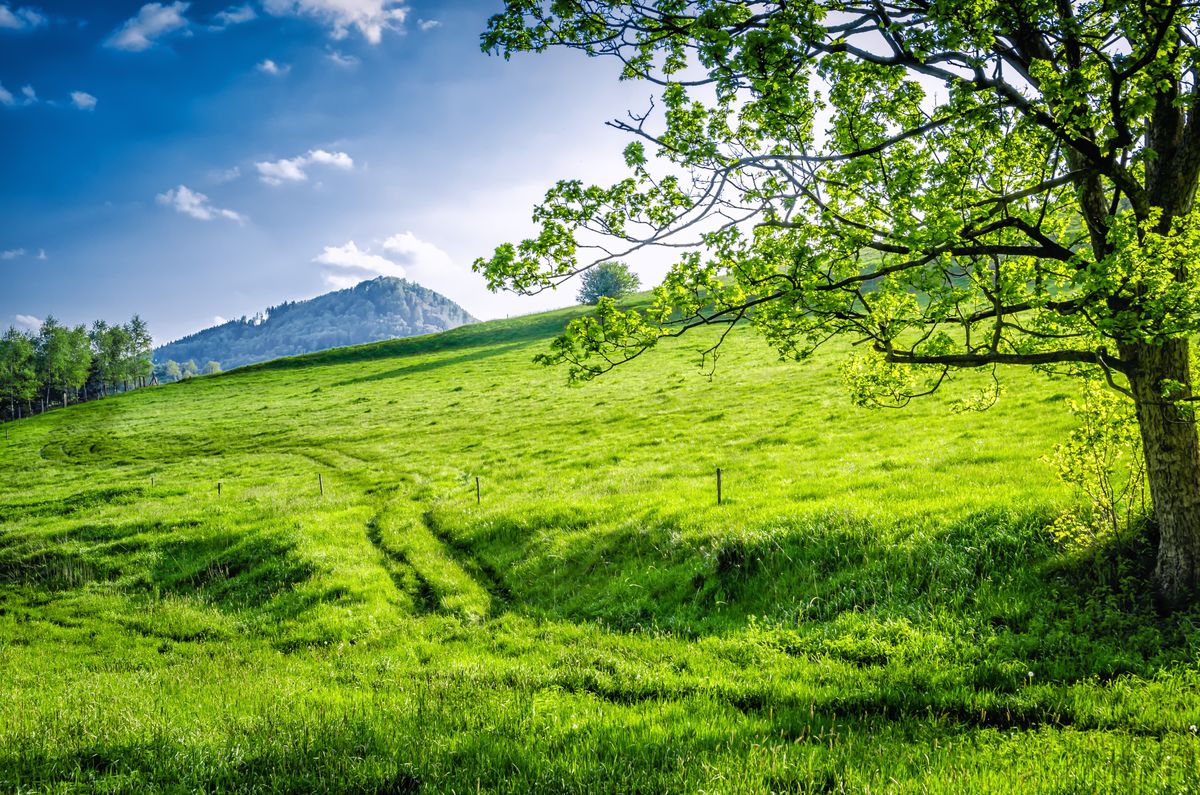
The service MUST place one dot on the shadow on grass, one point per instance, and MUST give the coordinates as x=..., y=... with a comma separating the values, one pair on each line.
x=989, y=595
x=430, y=365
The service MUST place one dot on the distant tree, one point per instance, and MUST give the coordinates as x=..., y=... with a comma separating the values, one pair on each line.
x=18, y=374
x=64, y=358
x=102, y=368
x=211, y=368
x=171, y=370
x=190, y=369
x=607, y=280
x=141, y=350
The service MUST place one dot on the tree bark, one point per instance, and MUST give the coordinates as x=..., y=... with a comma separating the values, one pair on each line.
x=1172, y=450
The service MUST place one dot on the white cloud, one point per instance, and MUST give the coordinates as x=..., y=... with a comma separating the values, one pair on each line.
x=29, y=94
x=29, y=322
x=42, y=254
x=294, y=169
x=21, y=18
x=343, y=60
x=271, y=68
x=234, y=15
x=226, y=175
x=12, y=253
x=430, y=266
x=152, y=21
x=83, y=100
x=197, y=205
x=354, y=265
x=428, y=24
x=219, y=321
x=370, y=17
x=6, y=97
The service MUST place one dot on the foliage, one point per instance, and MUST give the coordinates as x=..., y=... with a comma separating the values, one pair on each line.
x=607, y=280
x=18, y=374
x=71, y=362
x=379, y=309
x=1102, y=457
x=943, y=228
x=864, y=611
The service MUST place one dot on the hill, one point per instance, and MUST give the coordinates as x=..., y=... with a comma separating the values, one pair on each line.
x=380, y=309
x=283, y=579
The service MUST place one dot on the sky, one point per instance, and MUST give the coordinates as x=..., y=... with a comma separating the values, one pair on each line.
x=198, y=161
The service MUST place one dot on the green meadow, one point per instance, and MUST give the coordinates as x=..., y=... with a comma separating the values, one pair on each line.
x=878, y=604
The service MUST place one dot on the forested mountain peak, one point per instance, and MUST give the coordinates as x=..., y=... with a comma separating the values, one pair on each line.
x=374, y=310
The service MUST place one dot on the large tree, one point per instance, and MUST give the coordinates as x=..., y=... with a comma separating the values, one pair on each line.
x=957, y=184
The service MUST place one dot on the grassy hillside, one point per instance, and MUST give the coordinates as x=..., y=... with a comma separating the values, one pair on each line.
x=877, y=606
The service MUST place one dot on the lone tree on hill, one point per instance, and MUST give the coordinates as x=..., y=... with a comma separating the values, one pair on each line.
x=959, y=185
x=607, y=280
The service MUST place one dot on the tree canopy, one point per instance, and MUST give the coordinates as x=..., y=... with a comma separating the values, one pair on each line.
x=63, y=361
x=958, y=185
x=607, y=280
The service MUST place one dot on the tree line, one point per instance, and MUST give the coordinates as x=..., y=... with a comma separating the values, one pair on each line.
x=60, y=364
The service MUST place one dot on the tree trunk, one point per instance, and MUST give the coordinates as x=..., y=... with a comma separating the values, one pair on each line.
x=1172, y=450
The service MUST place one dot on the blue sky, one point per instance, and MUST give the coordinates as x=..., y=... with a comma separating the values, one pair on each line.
x=203, y=160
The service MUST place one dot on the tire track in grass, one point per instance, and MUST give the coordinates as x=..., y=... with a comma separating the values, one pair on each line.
x=439, y=580
x=485, y=573
x=404, y=576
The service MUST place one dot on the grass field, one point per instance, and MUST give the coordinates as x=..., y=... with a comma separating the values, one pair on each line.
x=877, y=606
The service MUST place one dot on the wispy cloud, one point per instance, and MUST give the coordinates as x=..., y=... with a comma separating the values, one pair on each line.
x=295, y=169
x=29, y=322
x=41, y=255
x=269, y=67
x=189, y=202
x=369, y=17
x=153, y=21
x=12, y=253
x=427, y=25
x=29, y=94
x=222, y=176
x=234, y=15
x=343, y=60
x=22, y=18
x=6, y=97
x=83, y=100
x=351, y=265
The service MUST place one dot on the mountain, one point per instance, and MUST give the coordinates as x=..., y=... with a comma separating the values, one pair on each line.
x=374, y=310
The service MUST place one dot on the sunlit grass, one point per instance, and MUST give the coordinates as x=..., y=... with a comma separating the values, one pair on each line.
x=877, y=604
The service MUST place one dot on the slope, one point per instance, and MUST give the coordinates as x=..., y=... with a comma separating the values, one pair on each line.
x=878, y=603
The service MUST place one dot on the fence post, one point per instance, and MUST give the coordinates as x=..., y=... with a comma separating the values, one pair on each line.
x=718, y=485
x=478, y=494
x=218, y=488
x=321, y=484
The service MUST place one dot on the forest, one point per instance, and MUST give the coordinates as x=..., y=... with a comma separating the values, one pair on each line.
x=59, y=364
